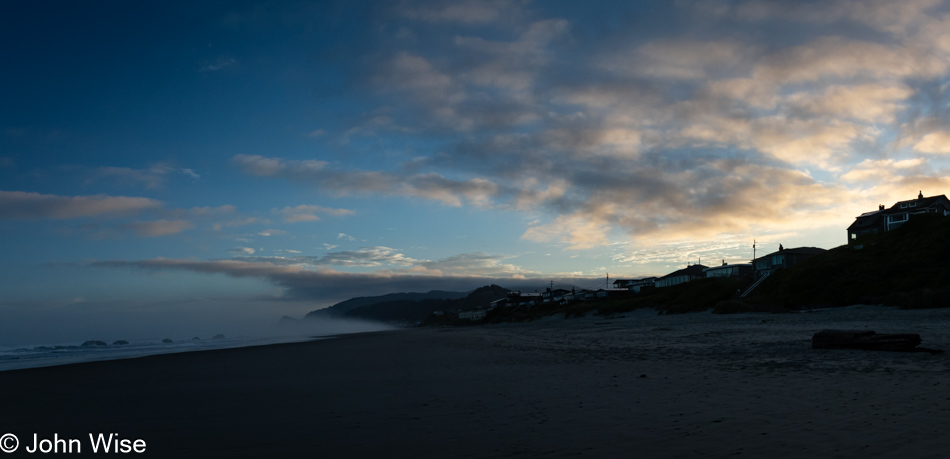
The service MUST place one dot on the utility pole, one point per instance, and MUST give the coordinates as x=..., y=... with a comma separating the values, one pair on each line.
x=753, y=261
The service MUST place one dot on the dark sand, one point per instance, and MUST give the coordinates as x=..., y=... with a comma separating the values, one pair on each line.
x=640, y=386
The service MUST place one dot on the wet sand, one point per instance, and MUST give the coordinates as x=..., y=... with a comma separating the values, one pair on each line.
x=642, y=385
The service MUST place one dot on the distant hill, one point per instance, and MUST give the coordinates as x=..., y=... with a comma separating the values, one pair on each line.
x=413, y=312
x=907, y=267
x=342, y=308
x=410, y=308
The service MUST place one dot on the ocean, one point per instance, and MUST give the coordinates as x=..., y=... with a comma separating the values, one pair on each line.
x=12, y=358
x=43, y=355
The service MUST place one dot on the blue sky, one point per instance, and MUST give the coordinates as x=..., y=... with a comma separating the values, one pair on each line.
x=271, y=158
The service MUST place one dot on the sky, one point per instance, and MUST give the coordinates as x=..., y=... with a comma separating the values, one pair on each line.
x=179, y=162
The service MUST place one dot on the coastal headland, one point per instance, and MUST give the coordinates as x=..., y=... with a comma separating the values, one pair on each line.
x=638, y=385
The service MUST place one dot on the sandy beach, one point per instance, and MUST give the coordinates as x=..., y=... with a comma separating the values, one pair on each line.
x=641, y=385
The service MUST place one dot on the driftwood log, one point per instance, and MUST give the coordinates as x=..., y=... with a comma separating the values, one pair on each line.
x=865, y=339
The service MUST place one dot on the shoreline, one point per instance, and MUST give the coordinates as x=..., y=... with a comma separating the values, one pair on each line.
x=43, y=357
x=698, y=385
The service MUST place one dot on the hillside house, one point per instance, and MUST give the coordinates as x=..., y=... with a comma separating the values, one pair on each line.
x=634, y=284
x=516, y=299
x=498, y=303
x=613, y=292
x=554, y=296
x=727, y=270
x=474, y=314
x=681, y=276
x=575, y=295
x=622, y=283
x=784, y=258
x=892, y=218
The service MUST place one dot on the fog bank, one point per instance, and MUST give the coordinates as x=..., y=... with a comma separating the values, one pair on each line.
x=26, y=325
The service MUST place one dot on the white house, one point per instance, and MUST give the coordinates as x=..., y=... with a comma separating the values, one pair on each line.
x=892, y=218
x=634, y=284
x=899, y=213
x=727, y=270
x=474, y=314
x=681, y=276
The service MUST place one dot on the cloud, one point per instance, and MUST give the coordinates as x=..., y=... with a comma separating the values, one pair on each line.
x=800, y=141
x=867, y=103
x=326, y=286
x=158, y=227
x=483, y=82
x=234, y=223
x=893, y=17
x=772, y=117
x=705, y=198
x=373, y=123
x=512, y=66
x=612, y=137
x=431, y=186
x=680, y=59
x=469, y=264
x=840, y=58
x=154, y=176
x=215, y=211
x=460, y=11
x=294, y=218
x=207, y=213
x=210, y=214
x=744, y=90
x=268, y=167
x=872, y=172
x=813, y=141
x=306, y=213
x=886, y=181
x=758, y=10
x=22, y=205
x=415, y=73
x=935, y=143
x=131, y=176
x=242, y=251
x=387, y=259
x=217, y=64
x=581, y=230
x=367, y=257
x=681, y=252
x=272, y=232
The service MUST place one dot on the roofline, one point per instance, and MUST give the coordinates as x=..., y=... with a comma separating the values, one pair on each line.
x=679, y=270
x=794, y=250
x=727, y=266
